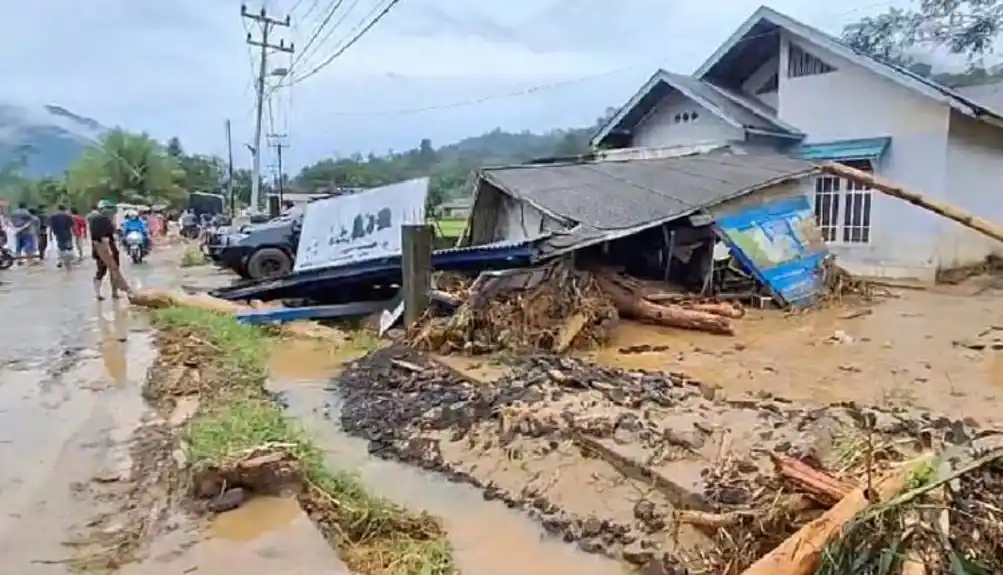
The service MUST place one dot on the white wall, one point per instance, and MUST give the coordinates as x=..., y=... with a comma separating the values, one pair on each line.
x=974, y=183
x=853, y=102
x=658, y=129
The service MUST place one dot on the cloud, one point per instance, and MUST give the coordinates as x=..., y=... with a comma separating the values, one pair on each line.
x=180, y=67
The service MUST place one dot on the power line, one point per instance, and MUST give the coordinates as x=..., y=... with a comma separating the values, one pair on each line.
x=335, y=4
x=332, y=29
x=542, y=87
x=365, y=29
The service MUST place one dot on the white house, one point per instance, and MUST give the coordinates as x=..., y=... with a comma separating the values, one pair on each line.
x=777, y=82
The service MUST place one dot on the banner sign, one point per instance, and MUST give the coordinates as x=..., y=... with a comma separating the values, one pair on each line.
x=362, y=226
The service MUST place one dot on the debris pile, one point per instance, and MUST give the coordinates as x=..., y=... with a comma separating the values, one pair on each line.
x=550, y=308
x=557, y=308
x=657, y=468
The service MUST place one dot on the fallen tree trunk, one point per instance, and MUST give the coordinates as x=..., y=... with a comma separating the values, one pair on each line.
x=153, y=298
x=948, y=211
x=631, y=303
x=800, y=553
x=818, y=484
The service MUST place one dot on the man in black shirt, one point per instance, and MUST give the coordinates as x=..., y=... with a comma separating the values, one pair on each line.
x=43, y=231
x=61, y=224
x=102, y=232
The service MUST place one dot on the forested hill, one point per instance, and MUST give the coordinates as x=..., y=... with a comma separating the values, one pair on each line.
x=448, y=166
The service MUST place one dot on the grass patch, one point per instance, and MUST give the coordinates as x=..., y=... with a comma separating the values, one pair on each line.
x=192, y=257
x=449, y=227
x=374, y=535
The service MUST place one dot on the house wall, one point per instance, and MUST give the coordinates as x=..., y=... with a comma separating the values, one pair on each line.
x=658, y=129
x=975, y=184
x=497, y=216
x=853, y=102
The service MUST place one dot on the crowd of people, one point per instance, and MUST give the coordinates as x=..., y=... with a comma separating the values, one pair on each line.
x=35, y=229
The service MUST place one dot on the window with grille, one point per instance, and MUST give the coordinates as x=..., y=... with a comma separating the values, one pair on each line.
x=801, y=63
x=843, y=207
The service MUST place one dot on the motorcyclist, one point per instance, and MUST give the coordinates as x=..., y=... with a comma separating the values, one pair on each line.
x=133, y=223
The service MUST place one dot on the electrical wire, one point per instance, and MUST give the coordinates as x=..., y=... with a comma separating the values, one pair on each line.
x=344, y=15
x=543, y=87
x=351, y=41
x=335, y=4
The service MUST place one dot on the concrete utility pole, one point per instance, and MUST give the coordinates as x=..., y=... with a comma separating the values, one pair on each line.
x=278, y=142
x=229, y=154
x=266, y=25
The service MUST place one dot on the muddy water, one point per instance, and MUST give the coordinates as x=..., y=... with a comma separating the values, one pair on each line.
x=70, y=376
x=901, y=352
x=487, y=537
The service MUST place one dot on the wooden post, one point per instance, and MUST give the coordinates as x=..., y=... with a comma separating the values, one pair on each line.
x=416, y=269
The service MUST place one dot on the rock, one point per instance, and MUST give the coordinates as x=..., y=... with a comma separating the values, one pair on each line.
x=637, y=554
x=228, y=500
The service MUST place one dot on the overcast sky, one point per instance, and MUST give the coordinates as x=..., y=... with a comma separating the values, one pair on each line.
x=180, y=67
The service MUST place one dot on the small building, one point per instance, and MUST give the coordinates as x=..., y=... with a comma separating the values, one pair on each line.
x=663, y=217
x=781, y=85
x=455, y=209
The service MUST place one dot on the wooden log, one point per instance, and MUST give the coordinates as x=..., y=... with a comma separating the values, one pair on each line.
x=800, y=553
x=154, y=298
x=569, y=331
x=631, y=303
x=817, y=483
x=723, y=309
x=948, y=211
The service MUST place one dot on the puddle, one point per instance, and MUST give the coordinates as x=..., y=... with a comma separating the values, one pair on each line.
x=487, y=538
x=255, y=518
x=265, y=536
x=309, y=361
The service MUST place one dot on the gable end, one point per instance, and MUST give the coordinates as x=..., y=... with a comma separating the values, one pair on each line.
x=802, y=63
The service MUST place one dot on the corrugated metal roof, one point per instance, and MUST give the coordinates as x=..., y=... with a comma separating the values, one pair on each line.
x=988, y=95
x=617, y=195
x=867, y=148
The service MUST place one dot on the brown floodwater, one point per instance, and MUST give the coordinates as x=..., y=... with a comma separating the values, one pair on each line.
x=487, y=537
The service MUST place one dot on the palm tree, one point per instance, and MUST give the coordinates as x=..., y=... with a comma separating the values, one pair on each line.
x=125, y=167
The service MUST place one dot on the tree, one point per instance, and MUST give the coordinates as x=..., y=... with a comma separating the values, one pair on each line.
x=125, y=167
x=965, y=27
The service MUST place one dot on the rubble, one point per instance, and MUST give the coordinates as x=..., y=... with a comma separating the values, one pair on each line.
x=602, y=458
x=557, y=308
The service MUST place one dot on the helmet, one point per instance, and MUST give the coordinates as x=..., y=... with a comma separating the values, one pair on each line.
x=106, y=205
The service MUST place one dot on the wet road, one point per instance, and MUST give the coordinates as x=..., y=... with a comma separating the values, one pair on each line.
x=70, y=374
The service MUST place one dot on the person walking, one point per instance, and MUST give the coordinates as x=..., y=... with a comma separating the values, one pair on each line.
x=23, y=222
x=42, y=231
x=79, y=232
x=104, y=248
x=61, y=224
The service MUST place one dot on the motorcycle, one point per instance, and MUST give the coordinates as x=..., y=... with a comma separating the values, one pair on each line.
x=135, y=246
x=6, y=258
x=191, y=232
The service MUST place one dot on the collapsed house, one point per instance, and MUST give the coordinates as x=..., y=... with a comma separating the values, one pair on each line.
x=726, y=223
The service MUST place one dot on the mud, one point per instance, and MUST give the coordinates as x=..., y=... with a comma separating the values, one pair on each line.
x=600, y=456
x=486, y=537
x=909, y=351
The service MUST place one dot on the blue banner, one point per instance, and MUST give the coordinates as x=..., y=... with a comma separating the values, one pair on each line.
x=781, y=245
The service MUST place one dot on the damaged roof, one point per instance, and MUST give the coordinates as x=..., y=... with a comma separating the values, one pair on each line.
x=617, y=195
x=728, y=105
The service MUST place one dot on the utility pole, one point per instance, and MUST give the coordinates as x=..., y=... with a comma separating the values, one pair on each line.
x=266, y=25
x=229, y=154
x=278, y=141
